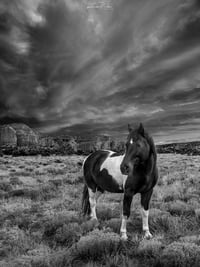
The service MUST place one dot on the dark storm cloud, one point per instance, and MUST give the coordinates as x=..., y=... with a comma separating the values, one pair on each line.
x=66, y=66
x=184, y=96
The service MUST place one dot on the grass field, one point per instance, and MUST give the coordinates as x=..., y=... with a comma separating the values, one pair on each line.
x=41, y=223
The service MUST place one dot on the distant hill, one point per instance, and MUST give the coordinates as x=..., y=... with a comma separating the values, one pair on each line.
x=19, y=139
x=189, y=148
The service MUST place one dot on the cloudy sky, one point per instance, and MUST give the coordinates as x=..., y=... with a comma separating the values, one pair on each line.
x=92, y=66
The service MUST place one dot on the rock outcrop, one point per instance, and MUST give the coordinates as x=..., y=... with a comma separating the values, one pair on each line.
x=25, y=135
x=67, y=144
x=18, y=139
x=47, y=141
x=17, y=135
x=8, y=137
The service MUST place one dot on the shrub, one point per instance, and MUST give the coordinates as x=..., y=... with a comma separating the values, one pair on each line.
x=60, y=258
x=105, y=213
x=171, y=225
x=15, y=181
x=191, y=239
x=89, y=226
x=179, y=207
x=57, y=225
x=56, y=182
x=47, y=192
x=19, y=262
x=25, y=192
x=172, y=192
x=150, y=248
x=134, y=224
x=67, y=234
x=73, y=179
x=96, y=246
x=114, y=224
x=15, y=241
x=5, y=186
x=119, y=261
x=179, y=254
x=56, y=171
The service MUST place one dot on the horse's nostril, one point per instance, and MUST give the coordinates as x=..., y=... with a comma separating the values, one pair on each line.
x=125, y=169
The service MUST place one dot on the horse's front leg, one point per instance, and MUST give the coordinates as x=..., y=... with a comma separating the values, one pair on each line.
x=125, y=214
x=145, y=199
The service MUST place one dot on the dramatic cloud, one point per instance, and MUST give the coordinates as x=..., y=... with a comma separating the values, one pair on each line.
x=83, y=67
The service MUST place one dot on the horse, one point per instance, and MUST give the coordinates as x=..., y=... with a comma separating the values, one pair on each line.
x=130, y=173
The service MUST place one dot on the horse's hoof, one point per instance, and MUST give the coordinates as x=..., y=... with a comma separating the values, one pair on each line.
x=124, y=237
x=147, y=235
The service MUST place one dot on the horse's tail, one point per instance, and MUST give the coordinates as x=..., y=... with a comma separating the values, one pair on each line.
x=85, y=201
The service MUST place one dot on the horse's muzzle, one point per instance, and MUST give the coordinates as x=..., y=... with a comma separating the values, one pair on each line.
x=124, y=169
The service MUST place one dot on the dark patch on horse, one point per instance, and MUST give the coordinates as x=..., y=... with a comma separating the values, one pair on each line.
x=106, y=181
x=96, y=178
x=91, y=167
x=116, y=154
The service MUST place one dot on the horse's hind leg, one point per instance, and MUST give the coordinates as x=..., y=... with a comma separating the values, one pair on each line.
x=93, y=197
x=145, y=199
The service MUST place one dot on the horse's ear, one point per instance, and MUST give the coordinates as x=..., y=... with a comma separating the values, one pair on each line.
x=129, y=128
x=141, y=129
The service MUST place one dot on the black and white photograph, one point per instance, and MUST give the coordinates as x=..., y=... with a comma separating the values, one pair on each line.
x=99, y=133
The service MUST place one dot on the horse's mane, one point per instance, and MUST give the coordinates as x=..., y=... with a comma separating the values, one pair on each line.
x=151, y=144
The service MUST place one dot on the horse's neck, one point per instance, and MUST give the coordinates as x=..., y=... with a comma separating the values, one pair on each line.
x=145, y=168
x=151, y=164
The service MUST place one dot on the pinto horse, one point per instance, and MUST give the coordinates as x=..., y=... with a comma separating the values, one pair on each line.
x=133, y=172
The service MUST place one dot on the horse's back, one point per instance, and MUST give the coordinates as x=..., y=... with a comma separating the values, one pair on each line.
x=103, y=169
x=94, y=160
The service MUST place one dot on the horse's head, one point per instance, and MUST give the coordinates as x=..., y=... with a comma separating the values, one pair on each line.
x=137, y=150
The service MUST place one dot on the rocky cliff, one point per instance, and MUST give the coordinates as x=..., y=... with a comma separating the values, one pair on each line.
x=19, y=139
x=25, y=135
x=8, y=136
x=17, y=135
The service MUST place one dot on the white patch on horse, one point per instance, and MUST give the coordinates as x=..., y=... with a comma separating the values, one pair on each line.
x=145, y=223
x=131, y=141
x=112, y=165
x=145, y=216
x=123, y=228
x=93, y=202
